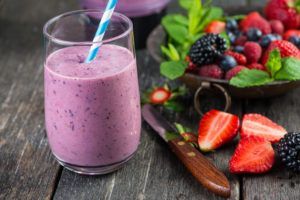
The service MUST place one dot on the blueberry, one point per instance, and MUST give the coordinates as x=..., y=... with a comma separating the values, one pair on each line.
x=254, y=34
x=227, y=62
x=232, y=37
x=295, y=40
x=266, y=40
x=231, y=24
x=239, y=49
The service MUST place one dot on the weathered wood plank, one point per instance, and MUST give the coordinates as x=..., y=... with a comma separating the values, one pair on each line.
x=27, y=169
x=279, y=183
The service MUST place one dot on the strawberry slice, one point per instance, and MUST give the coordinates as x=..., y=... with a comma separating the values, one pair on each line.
x=217, y=128
x=260, y=126
x=160, y=95
x=215, y=27
x=252, y=155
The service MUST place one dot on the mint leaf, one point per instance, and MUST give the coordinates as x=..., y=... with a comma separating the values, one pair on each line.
x=194, y=16
x=176, y=18
x=274, y=62
x=186, y=4
x=171, y=52
x=250, y=78
x=290, y=70
x=209, y=14
x=175, y=30
x=174, y=105
x=173, y=69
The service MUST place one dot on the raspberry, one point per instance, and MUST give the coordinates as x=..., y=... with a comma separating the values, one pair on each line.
x=253, y=52
x=211, y=71
x=234, y=71
x=240, y=41
x=240, y=58
x=192, y=68
x=257, y=66
x=277, y=27
x=255, y=20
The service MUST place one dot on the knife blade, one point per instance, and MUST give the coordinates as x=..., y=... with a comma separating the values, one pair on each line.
x=200, y=167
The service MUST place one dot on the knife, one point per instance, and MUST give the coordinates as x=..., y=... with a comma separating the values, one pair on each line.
x=200, y=167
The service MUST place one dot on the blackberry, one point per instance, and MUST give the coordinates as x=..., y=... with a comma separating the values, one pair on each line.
x=207, y=49
x=289, y=151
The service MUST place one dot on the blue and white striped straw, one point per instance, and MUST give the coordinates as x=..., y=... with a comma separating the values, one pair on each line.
x=110, y=7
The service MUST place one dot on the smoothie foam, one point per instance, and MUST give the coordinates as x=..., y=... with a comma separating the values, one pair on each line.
x=92, y=110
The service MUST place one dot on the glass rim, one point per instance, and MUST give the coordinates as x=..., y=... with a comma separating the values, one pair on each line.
x=85, y=43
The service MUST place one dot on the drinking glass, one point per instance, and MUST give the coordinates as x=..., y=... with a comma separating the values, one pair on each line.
x=92, y=110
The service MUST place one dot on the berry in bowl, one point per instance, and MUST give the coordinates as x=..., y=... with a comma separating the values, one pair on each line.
x=249, y=55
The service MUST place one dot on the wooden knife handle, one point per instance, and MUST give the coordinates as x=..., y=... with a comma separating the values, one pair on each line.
x=201, y=168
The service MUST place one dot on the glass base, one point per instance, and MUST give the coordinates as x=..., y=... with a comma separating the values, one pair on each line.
x=97, y=170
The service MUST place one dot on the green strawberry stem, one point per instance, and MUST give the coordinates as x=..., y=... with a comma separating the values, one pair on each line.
x=180, y=128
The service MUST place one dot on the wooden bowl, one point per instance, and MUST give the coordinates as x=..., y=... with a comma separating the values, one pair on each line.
x=158, y=37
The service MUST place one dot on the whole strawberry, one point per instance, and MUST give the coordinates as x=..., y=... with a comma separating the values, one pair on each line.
x=286, y=48
x=285, y=11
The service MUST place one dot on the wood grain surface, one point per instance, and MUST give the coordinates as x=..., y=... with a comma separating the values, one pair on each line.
x=29, y=171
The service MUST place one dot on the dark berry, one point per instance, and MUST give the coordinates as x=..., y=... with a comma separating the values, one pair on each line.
x=238, y=49
x=289, y=151
x=266, y=40
x=232, y=37
x=231, y=24
x=254, y=34
x=295, y=40
x=207, y=49
x=278, y=37
x=227, y=62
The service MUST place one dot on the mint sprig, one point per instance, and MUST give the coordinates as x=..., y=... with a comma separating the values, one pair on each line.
x=173, y=69
x=287, y=69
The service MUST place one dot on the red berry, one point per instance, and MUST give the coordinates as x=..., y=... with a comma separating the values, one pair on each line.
x=240, y=58
x=217, y=128
x=252, y=51
x=160, y=95
x=277, y=27
x=252, y=155
x=192, y=68
x=215, y=27
x=286, y=48
x=284, y=11
x=255, y=20
x=234, y=71
x=211, y=71
x=240, y=41
x=260, y=126
x=291, y=33
x=257, y=66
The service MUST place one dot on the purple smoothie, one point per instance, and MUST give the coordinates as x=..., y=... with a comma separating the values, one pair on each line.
x=92, y=110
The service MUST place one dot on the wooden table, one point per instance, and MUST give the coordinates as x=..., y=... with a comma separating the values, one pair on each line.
x=29, y=171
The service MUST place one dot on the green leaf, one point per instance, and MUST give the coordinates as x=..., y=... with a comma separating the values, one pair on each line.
x=177, y=19
x=250, y=78
x=173, y=69
x=171, y=52
x=290, y=70
x=274, y=62
x=175, y=30
x=186, y=4
x=194, y=16
x=210, y=14
x=171, y=136
x=179, y=128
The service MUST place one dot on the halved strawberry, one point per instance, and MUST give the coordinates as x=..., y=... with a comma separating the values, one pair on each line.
x=160, y=95
x=215, y=27
x=260, y=126
x=252, y=155
x=217, y=128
